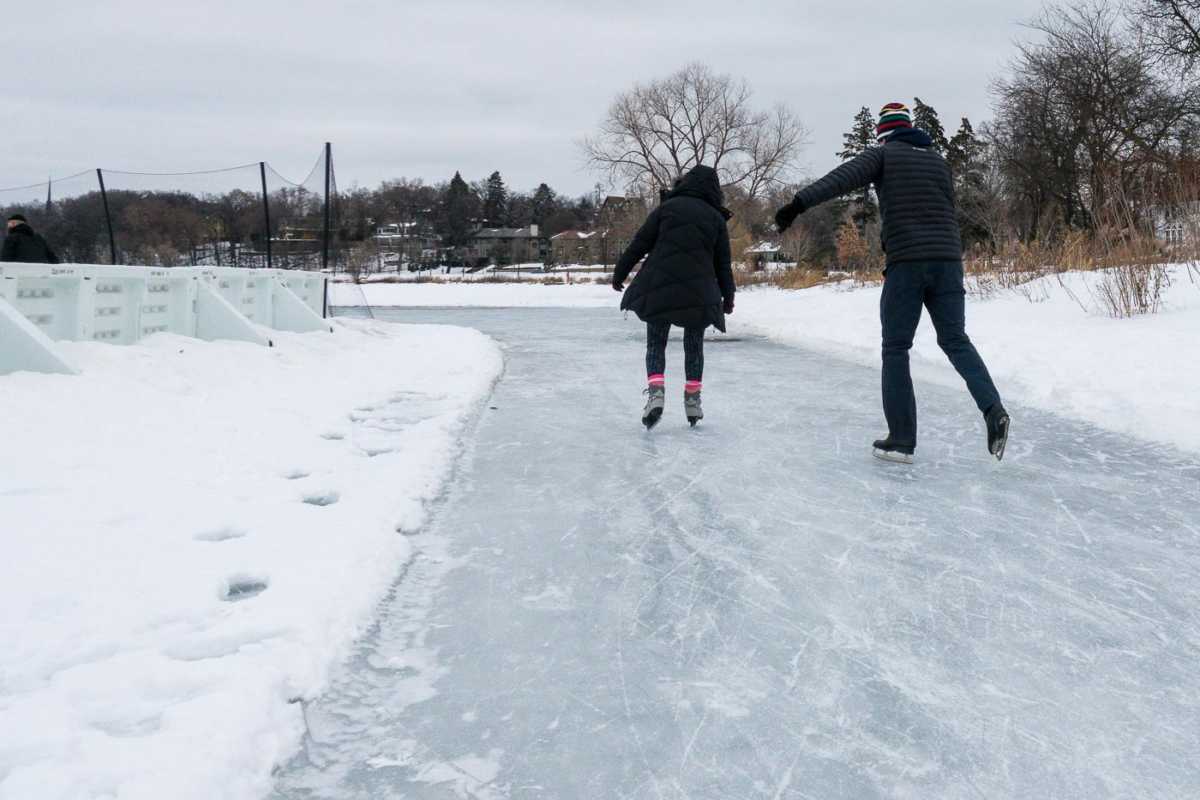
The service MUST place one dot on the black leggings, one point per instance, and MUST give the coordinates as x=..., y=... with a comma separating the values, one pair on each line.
x=657, y=334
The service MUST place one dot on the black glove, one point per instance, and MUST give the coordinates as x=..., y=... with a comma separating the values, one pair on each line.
x=729, y=305
x=618, y=285
x=785, y=216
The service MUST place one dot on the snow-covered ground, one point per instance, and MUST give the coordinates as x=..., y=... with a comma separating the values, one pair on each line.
x=195, y=532
x=1057, y=352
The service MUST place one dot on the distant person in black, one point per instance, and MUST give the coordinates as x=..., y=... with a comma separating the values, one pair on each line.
x=23, y=244
x=924, y=268
x=686, y=281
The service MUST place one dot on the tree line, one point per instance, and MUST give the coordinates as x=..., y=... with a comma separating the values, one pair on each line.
x=177, y=228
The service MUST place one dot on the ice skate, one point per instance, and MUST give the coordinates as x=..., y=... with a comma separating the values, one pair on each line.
x=656, y=395
x=997, y=430
x=887, y=450
x=691, y=406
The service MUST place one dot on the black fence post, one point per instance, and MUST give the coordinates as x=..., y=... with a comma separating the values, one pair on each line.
x=325, y=232
x=262, y=170
x=112, y=241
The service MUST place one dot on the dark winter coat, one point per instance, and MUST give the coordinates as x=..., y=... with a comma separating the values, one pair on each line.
x=22, y=244
x=916, y=197
x=687, y=279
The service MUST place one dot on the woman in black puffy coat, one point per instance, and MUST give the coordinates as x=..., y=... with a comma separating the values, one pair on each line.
x=686, y=281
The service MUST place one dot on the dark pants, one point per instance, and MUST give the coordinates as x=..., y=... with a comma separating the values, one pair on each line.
x=657, y=334
x=938, y=286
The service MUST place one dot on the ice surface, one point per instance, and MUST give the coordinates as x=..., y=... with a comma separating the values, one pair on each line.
x=759, y=609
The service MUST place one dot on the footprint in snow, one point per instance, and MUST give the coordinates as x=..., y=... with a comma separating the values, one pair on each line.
x=219, y=534
x=242, y=587
x=327, y=498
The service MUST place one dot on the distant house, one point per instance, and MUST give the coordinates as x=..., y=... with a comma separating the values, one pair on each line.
x=504, y=246
x=574, y=247
x=618, y=220
x=766, y=256
x=1178, y=226
x=406, y=244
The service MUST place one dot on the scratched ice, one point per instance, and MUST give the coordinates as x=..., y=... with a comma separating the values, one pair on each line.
x=758, y=609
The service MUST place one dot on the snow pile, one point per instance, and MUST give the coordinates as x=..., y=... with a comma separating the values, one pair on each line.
x=195, y=532
x=1059, y=352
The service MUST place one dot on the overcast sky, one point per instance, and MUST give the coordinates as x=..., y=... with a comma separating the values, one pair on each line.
x=421, y=89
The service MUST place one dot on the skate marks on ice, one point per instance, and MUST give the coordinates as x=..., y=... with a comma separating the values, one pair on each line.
x=757, y=608
x=358, y=743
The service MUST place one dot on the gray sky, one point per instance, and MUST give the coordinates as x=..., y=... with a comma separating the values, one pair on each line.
x=420, y=89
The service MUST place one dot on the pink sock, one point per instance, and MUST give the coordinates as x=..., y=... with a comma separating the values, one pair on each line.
x=656, y=380
x=691, y=387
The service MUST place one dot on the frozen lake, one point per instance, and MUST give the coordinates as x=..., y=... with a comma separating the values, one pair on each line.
x=758, y=609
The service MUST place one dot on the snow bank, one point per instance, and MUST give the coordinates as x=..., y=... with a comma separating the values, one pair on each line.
x=1058, y=353
x=195, y=532
x=484, y=295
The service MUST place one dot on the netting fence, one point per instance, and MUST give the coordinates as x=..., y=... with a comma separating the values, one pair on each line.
x=245, y=216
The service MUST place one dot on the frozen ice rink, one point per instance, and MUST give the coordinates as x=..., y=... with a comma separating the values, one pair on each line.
x=758, y=609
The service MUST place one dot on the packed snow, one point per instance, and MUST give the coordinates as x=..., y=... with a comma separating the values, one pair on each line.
x=1048, y=344
x=195, y=532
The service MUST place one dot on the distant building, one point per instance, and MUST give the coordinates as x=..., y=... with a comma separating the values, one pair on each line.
x=574, y=247
x=504, y=246
x=618, y=220
x=766, y=256
x=1179, y=226
x=405, y=244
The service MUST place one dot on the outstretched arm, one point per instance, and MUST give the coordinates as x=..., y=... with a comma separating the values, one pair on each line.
x=857, y=173
x=643, y=243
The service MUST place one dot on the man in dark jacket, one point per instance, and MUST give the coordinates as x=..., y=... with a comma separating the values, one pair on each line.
x=686, y=281
x=924, y=267
x=24, y=245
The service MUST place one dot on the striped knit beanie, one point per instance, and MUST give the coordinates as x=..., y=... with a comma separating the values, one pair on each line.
x=892, y=117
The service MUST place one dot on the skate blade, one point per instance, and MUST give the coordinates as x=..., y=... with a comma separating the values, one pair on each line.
x=1002, y=441
x=891, y=456
x=651, y=419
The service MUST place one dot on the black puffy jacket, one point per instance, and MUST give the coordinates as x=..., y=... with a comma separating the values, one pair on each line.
x=688, y=276
x=23, y=245
x=916, y=197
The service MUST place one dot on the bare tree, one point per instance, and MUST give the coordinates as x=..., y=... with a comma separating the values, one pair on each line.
x=657, y=131
x=1170, y=29
x=1084, y=118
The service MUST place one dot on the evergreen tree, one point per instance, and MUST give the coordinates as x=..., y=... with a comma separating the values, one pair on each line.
x=967, y=157
x=459, y=208
x=926, y=118
x=495, y=201
x=545, y=202
x=859, y=139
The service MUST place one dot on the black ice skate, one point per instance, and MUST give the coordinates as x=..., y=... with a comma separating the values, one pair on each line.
x=997, y=430
x=887, y=450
